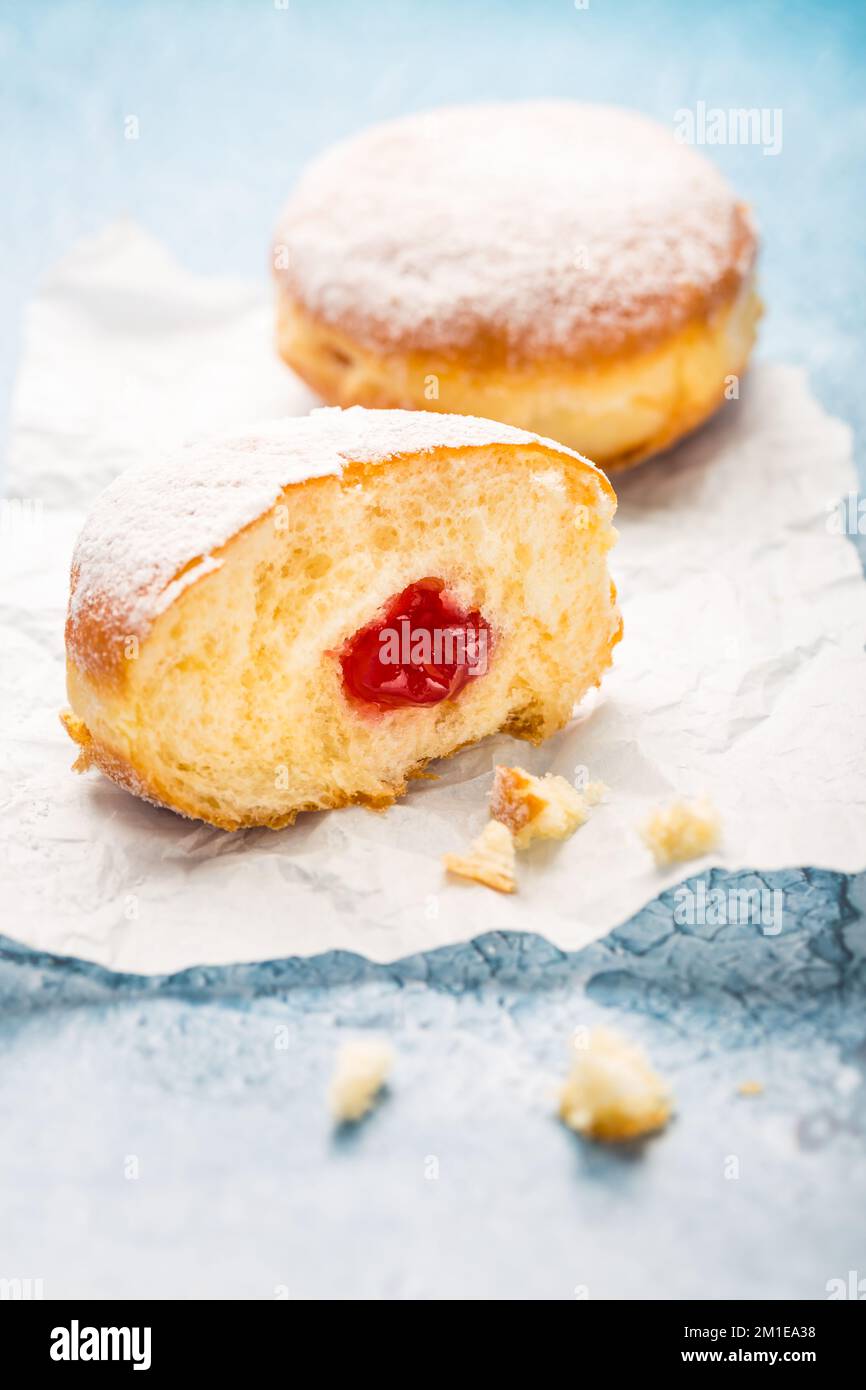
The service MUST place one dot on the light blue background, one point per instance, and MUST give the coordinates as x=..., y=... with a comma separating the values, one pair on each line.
x=243, y=1189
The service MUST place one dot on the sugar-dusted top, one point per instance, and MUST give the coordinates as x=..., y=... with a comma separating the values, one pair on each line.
x=158, y=528
x=514, y=231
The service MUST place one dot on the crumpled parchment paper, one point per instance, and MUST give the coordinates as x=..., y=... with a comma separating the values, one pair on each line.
x=741, y=675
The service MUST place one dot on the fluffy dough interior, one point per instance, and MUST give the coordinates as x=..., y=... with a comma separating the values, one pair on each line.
x=235, y=711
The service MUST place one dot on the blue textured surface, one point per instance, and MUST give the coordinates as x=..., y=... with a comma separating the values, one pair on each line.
x=242, y=1188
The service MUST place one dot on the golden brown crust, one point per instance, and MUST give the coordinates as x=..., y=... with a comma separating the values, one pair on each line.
x=597, y=340
x=512, y=800
x=633, y=398
x=80, y=734
x=489, y=860
x=539, y=231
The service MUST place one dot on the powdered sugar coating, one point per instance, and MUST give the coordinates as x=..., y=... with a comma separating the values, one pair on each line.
x=158, y=528
x=514, y=231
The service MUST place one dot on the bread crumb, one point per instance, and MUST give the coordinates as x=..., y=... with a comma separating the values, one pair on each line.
x=537, y=808
x=612, y=1093
x=751, y=1088
x=80, y=734
x=681, y=830
x=362, y=1069
x=594, y=792
x=490, y=859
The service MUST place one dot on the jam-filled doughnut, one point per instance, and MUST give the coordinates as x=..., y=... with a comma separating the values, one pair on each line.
x=302, y=616
x=567, y=268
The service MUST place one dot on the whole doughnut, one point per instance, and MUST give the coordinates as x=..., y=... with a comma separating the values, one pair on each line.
x=569, y=269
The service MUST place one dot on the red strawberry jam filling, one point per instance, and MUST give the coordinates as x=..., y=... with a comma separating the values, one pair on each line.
x=422, y=649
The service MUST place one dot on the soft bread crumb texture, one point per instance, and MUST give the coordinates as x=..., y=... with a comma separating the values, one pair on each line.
x=595, y=792
x=612, y=1094
x=490, y=860
x=363, y=1066
x=536, y=808
x=616, y=410
x=232, y=708
x=162, y=526
x=681, y=830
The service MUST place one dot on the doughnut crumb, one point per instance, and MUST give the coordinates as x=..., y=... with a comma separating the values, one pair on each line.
x=490, y=859
x=538, y=808
x=750, y=1088
x=681, y=830
x=611, y=1093
x=594, y=792
x=80, y=734
x=362, y=1068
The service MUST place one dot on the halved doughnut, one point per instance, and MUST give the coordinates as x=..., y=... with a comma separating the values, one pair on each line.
x=303, y=616
x=568, y=268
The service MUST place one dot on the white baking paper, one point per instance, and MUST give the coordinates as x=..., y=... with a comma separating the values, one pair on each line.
x=741, y=675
